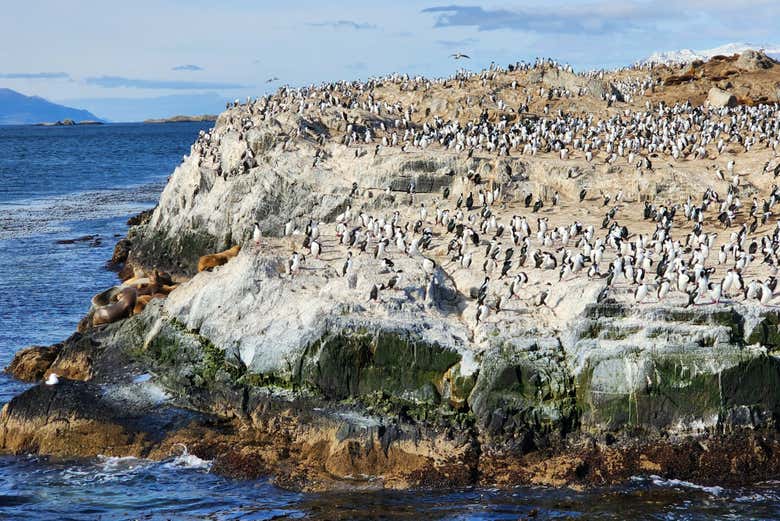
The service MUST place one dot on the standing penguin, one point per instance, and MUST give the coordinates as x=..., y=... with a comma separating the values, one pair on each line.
x=347, y=267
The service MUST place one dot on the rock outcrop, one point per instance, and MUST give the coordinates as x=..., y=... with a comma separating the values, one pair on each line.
x=376, y=371
x=754, y=61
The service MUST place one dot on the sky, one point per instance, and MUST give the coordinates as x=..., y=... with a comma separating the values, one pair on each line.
x=127, y=61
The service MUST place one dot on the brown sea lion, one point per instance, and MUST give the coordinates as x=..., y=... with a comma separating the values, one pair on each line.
x=208, y=262
x=106, y=297
x=137, y=281
x=152, y=284
x=141, y=302
x=166, y=289
x=122, y=308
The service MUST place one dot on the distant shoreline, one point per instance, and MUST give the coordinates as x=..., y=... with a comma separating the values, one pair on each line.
x=68, y=123
x=183, y=119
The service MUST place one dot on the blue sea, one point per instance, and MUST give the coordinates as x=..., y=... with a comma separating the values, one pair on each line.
x=63, y=183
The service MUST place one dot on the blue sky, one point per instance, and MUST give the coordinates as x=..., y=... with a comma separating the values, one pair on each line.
x=132, y=60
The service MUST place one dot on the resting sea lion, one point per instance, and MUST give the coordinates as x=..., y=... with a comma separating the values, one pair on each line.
x=156, y=283
x=208, y=262
x=122, y=308
x=137, y=281
x=141, y=302
x=106, y=297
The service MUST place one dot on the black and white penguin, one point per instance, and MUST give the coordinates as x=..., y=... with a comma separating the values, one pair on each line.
x=347, y=267
x=257, y=235
x=482, y=313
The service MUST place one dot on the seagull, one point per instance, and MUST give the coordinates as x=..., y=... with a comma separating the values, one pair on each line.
x=272, y=79
x=53, y=379
x=459, y=55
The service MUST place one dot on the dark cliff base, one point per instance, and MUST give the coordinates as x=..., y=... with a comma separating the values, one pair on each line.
x=251, y=429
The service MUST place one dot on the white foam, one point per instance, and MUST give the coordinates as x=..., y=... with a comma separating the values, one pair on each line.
x=185, y=460
x=142, y=378
x=678, y=483
x=107, y=469
x=189, y=461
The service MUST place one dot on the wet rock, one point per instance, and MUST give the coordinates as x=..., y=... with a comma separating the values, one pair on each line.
x=121, y=251
x=141, y=218
x=522, y=389
x=84, y=238
x=67, y=419
x=30, y=364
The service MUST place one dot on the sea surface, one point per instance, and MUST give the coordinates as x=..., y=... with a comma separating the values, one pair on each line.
x=64, y=183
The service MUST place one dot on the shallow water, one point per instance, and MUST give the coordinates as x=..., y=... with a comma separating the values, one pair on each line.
x=64, y=183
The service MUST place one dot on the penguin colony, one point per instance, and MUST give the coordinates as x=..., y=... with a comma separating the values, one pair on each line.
x=718, y=243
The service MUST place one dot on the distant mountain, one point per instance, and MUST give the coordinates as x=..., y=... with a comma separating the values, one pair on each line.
x=18, y=109
x=689, y=55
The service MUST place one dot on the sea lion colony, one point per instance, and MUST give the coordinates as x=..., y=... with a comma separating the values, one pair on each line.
x=504, y=237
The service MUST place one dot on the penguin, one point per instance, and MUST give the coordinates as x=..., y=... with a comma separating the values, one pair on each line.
x=640, y=293
x=483, y=289
x=663, y=289
x=520, y=279
x=715, y=290
x=393, y=281
x=294, y=264
x=429, y=266
x=257, y=234
x=347, y=267
x=482, y=313
x=766, y=294
x=691, y=292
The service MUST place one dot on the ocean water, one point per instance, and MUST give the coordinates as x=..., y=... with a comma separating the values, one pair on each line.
x=66, y=183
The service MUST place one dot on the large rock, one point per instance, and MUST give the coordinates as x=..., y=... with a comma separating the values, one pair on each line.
x=561, y=79
x=30, y=364
x=721, y=98
x=751, y=60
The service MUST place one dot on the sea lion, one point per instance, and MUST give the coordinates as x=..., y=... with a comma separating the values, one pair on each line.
x=157, y=282
x=106, y=297
x=209, y=262
x=141, y=302
x=137, y=281
x=165, y=289
x=122, y=308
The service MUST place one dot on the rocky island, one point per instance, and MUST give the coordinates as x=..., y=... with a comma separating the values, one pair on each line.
x=183, y=119
x=524, y=275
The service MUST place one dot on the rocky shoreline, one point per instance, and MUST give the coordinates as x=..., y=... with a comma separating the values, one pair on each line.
x=300, y=374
